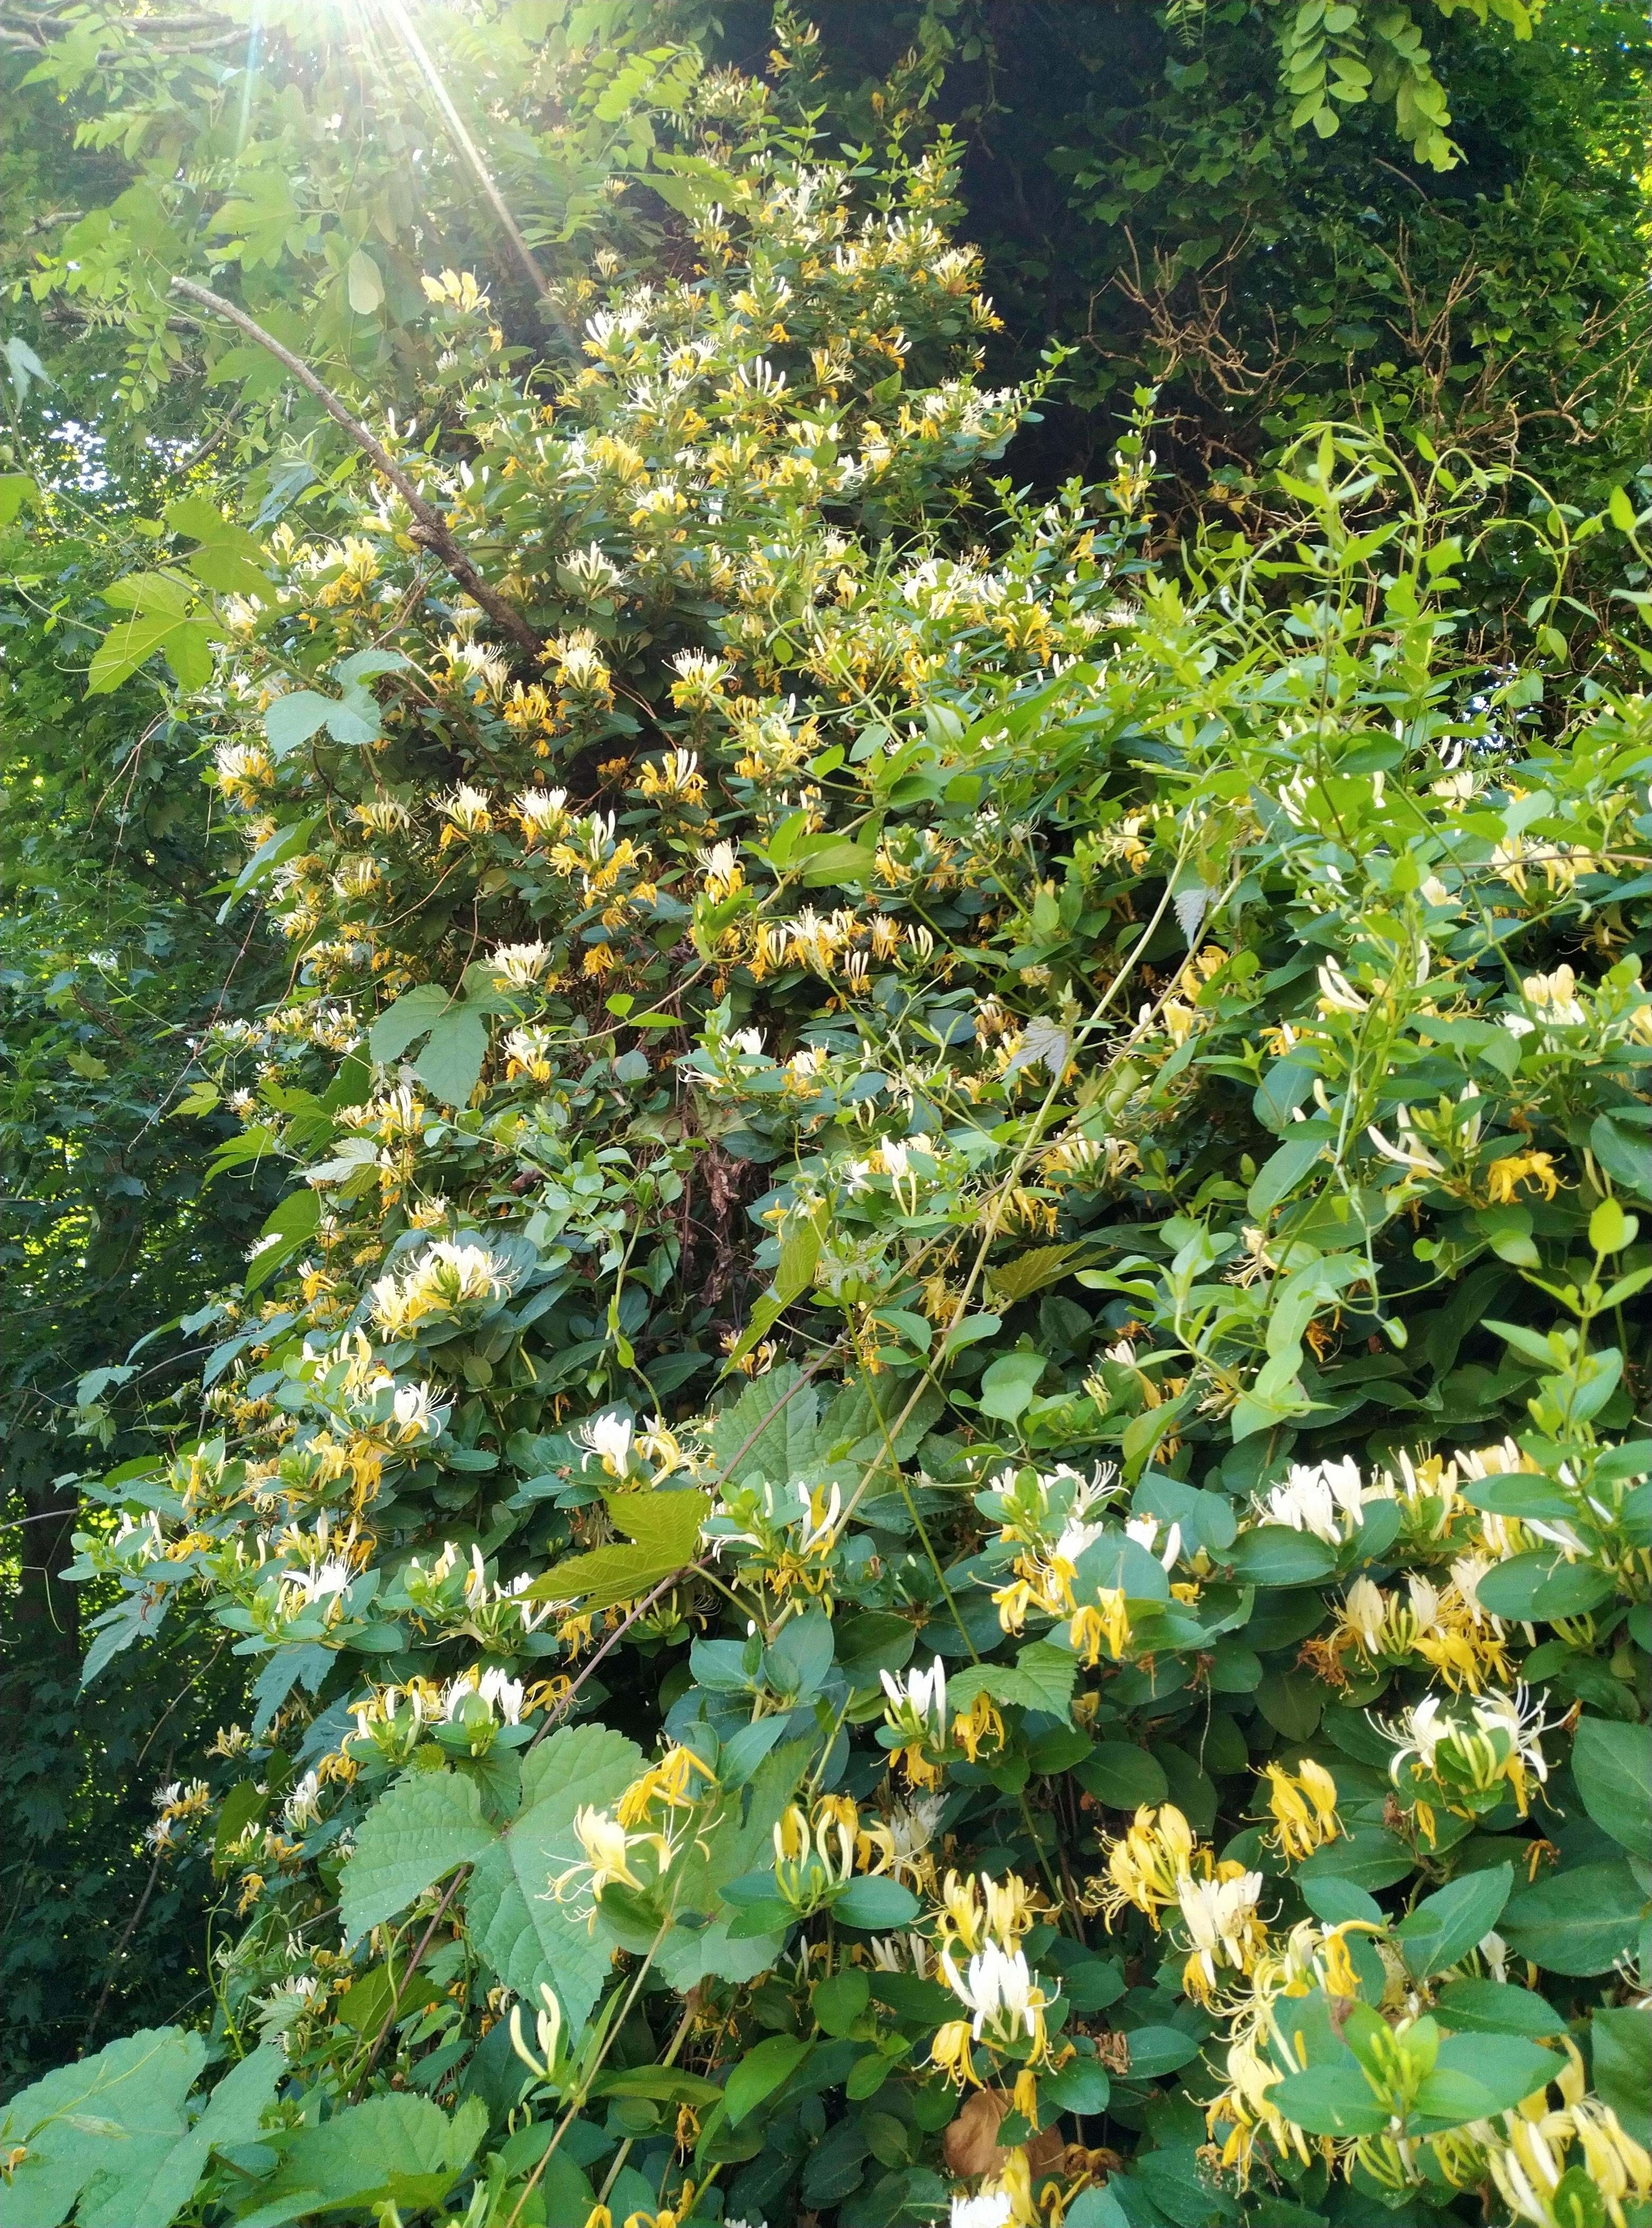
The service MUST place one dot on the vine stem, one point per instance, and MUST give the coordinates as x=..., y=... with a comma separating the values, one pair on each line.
x=432, y=531
x=453, y=1887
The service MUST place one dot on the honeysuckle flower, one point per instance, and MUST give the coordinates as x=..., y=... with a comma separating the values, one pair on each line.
x=1222, y=1925
x=999, y=1989
x=608, y=1437
x=1327, y=1499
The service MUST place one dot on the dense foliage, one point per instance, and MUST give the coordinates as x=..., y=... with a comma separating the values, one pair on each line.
x=929, y=1475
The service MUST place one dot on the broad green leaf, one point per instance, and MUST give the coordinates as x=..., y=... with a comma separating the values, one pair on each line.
x=1612, y=1765
x=120, y=2112
x=1285, y=1166
x=1122, y=1776
x=1621, y=2044
x=761, y=2071
x=364, y=285
x=1007, y=1385
x=426, y=1824
x=1330, y=2100
x=413, y=1015
x=1277, y=1555
x=293, y=719
x=1494, y=2007
x=1578, y=1922
x=124, y=648
x=770, y=1430
x=1041, y=1678
x=876, y=1903
x=665, y=1529
x=1477, y=2075
x=15, y=490
x=1445, y=1926
x=452, y=1060
x=515, y=1922
x=397, y=2149
x=1541, y=1584
x=1029, y=1272
x=149, y=2192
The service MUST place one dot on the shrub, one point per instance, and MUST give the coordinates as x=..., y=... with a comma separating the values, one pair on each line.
x=930, y=1481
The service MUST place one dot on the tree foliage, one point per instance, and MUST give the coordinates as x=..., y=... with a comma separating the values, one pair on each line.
x=929, y=1475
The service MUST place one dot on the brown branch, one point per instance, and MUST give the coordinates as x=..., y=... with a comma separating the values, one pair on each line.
x=431, y=530
x=410, y=1968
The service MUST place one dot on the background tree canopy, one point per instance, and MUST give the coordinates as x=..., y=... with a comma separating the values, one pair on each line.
x=826, y=1114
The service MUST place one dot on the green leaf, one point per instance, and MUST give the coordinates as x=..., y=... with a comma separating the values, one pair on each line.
x=1445, y=1926
x=1541, y=1584
x=1612, y=1765
x=1007, y=1385
x=840, y=2000
x=1623, y=1154
x=1330, y=2100
x=413, y=1015
x=876, y=1902
x=188, y=650
x=1578, y=1922
x=761, y=2071
x=150, y=2193
x=1477, y=2075
x=1122, y=1776
x=426, y=1824
x=452, y=1060
x=516, y=1923
x=770, y=1430
x=1029, y=1272
x=1041, y=1678
x=1277, y=1555
x=363, y=284
x=1494, y=2007
x=119, y=2113
x=124, y=648
x=293, y=719
x=665, y=1528
x=1621, y=2044
x=396, y=2149
x=16, y=488
x=830, y=861
x=1284, y=1168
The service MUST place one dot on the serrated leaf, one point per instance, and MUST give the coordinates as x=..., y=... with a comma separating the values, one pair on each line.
x=120, y=2112
x=123, y=648
x=397, y=2149
x=665, y=1530
x=1029, y=1272
x=414, y=1834
x=515, y=1922
x=413, y=1015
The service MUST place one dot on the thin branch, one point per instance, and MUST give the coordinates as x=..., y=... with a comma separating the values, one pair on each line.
x=430, y=530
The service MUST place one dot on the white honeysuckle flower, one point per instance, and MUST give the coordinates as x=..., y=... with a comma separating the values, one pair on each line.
x=1218, y=1914
x=920, y=1694
x=1326, y=1499
x=303, y=1806
x=988, y=2208
x=1145, y=1530
x=998, y=1988
x=1365, y=1611
x=609, y=1438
